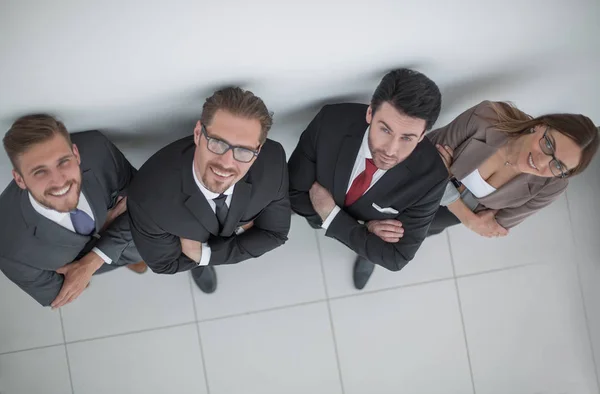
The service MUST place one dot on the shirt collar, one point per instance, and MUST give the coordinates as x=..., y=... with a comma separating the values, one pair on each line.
x=51, y=214
x=56, y=216
x=207, y=193
x=364, y=151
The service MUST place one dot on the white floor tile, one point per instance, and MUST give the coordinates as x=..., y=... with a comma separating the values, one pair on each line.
x=406, y=340
x=290, y=274
x=122, y=301
x=153, y=362
x=431, y=262
x=584, y=205
x=590, y=281
x=24, y=323
x=526, y=331
x=35, y=371
x=541, y=237
x=284, y=351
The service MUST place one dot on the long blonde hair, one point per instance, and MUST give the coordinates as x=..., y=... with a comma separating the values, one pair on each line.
x=579, y=128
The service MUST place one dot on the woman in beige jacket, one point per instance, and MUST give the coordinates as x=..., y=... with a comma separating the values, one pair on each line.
x=506, y=165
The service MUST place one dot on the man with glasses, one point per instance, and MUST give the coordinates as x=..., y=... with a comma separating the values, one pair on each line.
x=217, y=197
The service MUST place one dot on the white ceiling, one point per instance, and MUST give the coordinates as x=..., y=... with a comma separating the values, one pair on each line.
x=143, y=68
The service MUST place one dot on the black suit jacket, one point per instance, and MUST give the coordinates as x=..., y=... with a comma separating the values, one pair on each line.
x=33, y=247
x=165, y=204
x=326, y=154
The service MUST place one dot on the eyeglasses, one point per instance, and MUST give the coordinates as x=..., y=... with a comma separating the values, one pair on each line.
x=221, y=147
x=558, y=169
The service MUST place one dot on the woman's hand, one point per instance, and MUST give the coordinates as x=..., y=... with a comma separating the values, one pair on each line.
x=447, y=155
x=484, y=223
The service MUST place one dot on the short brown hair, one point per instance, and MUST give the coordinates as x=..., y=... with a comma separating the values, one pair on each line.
x=577, y=127
x=30, y=130
x=238, y=102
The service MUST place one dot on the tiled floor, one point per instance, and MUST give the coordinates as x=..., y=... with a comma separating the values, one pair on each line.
x=519, y=315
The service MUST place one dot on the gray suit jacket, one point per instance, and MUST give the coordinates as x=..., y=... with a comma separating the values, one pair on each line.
x=474, y=140
x=32, y=247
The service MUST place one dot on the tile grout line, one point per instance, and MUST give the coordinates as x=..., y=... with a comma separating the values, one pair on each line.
x=462, y=318
x=495, y=270
x=364, y=293
x=62, y=326
x=32, y=348
x=582, y=295
x=328, y=303
x=258, y=311
x=199, y=336
x=131, y=332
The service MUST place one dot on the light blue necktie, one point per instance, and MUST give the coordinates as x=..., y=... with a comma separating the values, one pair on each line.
x=82, y=222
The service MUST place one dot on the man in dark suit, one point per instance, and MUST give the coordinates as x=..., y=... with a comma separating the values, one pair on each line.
x=61, y=216
x=219, y=196
x=367, y=176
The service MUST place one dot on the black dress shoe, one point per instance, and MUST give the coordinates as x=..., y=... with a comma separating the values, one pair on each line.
x=205, y=278
x=363, y=269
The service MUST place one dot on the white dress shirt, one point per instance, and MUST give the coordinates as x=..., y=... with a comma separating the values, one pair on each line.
x=206, y=252
x=364, y=153
x=64, y=219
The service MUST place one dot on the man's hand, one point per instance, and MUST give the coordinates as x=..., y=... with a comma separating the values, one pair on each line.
x=486, y=225
x=115, y=211
x=192, y=249
x=322, y=201
x=447, y=155
x=247, y=226
x=77, y=276
x=389, y=230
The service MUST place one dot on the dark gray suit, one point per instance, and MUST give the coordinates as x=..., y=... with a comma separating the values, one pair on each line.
x=32, y=247
x=165, y=204
x=326, y=154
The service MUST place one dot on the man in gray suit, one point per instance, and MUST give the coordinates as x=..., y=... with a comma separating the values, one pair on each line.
x=62, y=215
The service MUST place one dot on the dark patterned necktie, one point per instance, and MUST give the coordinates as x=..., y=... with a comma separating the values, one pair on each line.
x=82, y=222
x=221, y=209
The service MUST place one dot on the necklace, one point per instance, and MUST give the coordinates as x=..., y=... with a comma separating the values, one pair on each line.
x=508, y=149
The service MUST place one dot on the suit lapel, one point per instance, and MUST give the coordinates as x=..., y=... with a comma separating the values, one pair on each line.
x=94, y=194
x=471, y=157
x=384, y=191
x=518, y=188
x=239, y=203
x=196, y=202
x=477, y=150
x=46, y=230
x=344, y=166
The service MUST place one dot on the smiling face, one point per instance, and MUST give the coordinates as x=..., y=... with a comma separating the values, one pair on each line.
x=50, y=171
x=219, y=172
x=534, y=153
x=392, y=135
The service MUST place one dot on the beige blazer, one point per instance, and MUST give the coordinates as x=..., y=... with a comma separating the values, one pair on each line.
x=474, y=140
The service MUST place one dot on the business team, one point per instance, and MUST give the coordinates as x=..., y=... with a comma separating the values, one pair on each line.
x=369, y=175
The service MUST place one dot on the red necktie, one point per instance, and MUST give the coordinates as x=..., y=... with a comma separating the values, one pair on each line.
x=361, y=183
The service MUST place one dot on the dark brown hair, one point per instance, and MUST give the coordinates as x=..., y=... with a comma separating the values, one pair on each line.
x=238, y=102
x=410, y=93
x=30, y=130
x=577, y=127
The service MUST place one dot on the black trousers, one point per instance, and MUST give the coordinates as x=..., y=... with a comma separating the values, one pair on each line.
x=442, y=220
